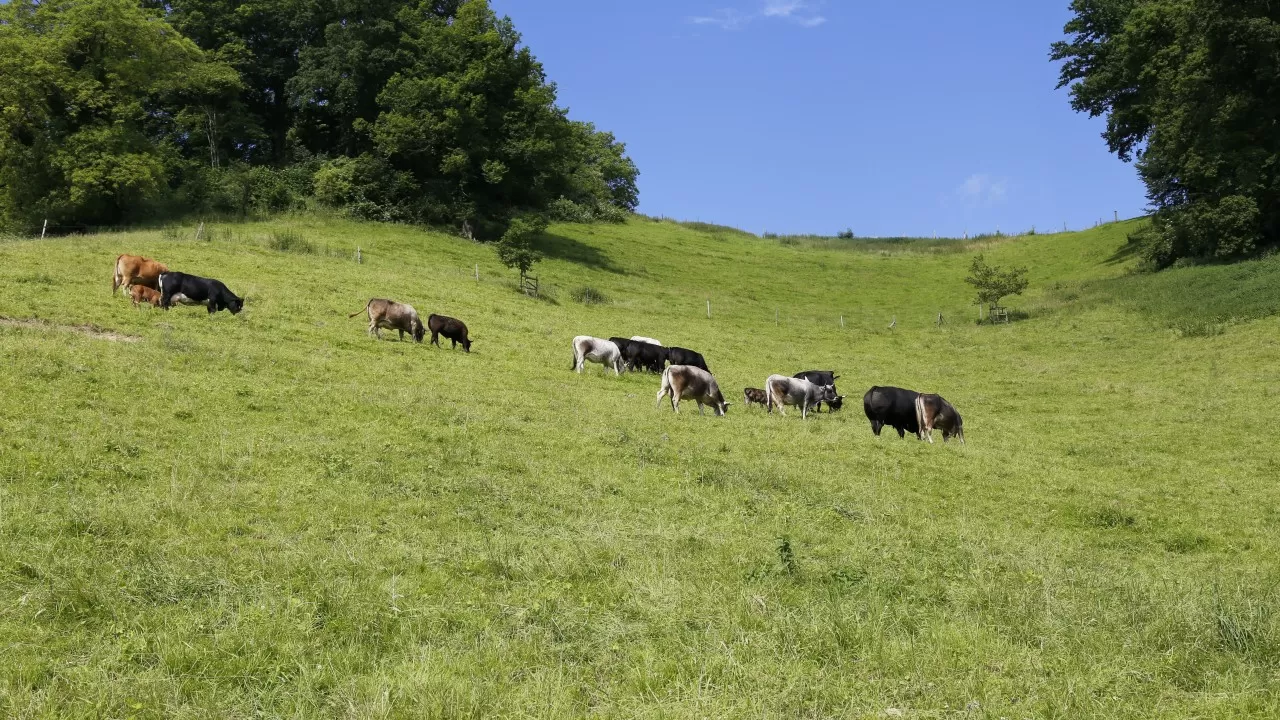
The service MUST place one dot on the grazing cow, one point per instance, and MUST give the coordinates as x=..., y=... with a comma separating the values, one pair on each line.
x=754, y=396
x=651, y=341
x=143, y=294
x=644, y=355
x=622, y=344
x=392, y=315
x=781, y=390
x=451, y=328
x=685, y=382
x=596, y=350
x=823, y=377
x=136, y=270
x=195, y=290
x=932, y=411
x=683, y=356
x=894, y=407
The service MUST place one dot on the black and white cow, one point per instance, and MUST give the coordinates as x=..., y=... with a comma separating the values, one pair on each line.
x=684, y=356
x=823, y=377
x=596, y=350
x=685, y=382
x=781, y=390
x=932, y=411
x=174, y=286
x=894, y=407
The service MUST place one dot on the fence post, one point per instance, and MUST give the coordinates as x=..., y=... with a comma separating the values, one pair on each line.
x=708, y=308
x=477, y=272
x=359, y=259
x=1117, y=215
x=841, y=322
x=199, y=231
x=44, y=227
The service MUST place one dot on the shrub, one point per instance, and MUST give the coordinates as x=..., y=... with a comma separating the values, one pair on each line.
x=588, y=295
x=846, y=234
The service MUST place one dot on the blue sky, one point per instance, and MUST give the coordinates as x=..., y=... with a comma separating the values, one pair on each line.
x=887, y=117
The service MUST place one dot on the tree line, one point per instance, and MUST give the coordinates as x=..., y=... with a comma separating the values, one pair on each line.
x=1191, y=92
x=123, y=111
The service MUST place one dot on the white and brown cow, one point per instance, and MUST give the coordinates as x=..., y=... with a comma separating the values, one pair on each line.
x=781, y=390
x=392, y=315
x=932, y=411
x=136, y=270
x=596, y=350
x=685, y=382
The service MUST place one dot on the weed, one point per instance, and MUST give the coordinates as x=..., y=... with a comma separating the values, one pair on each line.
x=588, y=295
x=290, y=241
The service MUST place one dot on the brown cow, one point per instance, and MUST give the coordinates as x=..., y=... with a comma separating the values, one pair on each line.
x=451, y=328
x=143, y=294
x=392, y=315
x=686, y=382
x=136, y=270
x=934, y=412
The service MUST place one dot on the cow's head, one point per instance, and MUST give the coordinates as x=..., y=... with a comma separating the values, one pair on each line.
x=722, y=407
x=419, y=331
x=466, y=344
x=837, y=403
x=955, y=431
x=235, y=304
x=827, y=394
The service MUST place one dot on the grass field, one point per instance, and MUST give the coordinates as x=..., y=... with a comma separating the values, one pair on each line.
x=275, y=515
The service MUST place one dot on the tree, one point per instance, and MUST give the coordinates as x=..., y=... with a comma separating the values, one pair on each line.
x=1191, y=91
x=993, y=282
x=515, y=249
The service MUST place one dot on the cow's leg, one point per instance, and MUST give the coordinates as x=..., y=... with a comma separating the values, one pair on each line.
x=700, y=408
x=661, y=394
x=435, y=338
x=902, y=432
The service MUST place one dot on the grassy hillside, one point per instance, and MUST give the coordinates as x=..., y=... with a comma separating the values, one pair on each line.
x=274, y=515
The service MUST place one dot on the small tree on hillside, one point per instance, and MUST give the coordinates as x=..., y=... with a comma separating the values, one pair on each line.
x=515, y=249
x=994, y=282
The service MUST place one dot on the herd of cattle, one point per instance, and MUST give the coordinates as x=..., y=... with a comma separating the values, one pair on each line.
x=685, y=375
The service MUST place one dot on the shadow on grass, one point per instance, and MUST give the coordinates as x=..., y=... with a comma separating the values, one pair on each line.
x=564, y=248
x=1122, y=254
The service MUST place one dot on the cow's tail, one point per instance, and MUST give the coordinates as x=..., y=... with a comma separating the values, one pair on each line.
x=768, y=396
x=920, y=413
x=574, y=366
x=363, y=309
x=117, y=275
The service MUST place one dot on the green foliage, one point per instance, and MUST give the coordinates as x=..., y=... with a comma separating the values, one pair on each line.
x=993, y=282
x=845, y=234
x=290, y=240
x=515, y=249
x=588, y=295
x=1191, y=90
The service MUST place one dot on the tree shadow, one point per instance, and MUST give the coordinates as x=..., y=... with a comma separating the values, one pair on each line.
x=568, y=249
x=1122, y=254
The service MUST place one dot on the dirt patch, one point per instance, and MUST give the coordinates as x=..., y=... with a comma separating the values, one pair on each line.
x=90, y=329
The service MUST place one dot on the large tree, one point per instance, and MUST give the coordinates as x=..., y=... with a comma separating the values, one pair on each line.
x=1191, y=91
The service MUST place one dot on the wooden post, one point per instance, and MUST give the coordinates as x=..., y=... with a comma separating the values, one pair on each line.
x=1117, y=215
x=708, y=308
x=199, y=231
x=841, y=322
x=359, y=259
x=477, y=272
x=44, y=228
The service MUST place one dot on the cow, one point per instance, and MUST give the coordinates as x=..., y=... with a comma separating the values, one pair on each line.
x=622, y=344
x=143, y=294
x=933, y=411
x=894, y=407
x=136, y=270
x=644, y=355
x=683, y=356
x=596, y=350
x=392, y=315
x=195, y=290
x=452, y=329
x=651, y=341
x=685, y=382
x=823, y=377
x=781, y=390
x=754, y=396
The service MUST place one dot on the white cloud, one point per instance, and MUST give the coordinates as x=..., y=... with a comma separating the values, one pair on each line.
x=798, y=12
x=982, y=189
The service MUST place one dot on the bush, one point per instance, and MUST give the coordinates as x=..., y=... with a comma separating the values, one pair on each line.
x=565, y=210
x=846, y=234
x=588, y=295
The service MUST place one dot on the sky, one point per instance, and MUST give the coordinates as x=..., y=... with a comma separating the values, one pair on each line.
x=886, y=117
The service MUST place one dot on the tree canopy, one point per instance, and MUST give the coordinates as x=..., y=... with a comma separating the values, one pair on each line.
x=1191, y=91
x=433, y=112
x=994, y=283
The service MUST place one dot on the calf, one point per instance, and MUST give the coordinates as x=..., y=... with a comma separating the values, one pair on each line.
x=596, y=350
x=451, y=328
x=933, y=411
x=684, y=382
x=651, y=341
x=175, y=286
x=136, y=270
x=392, y=315
x=683, y=356
x=894, y=407
x=754, y=396
x=644, y=355
x=143, y=294
x=781, y=390
x=823, y=377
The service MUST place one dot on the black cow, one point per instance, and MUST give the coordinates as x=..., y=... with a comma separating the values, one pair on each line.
x=197, y=290
x=823, y=377
x=452, y=329
x=684, y=356
x=644, y=355
x=894, y=407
